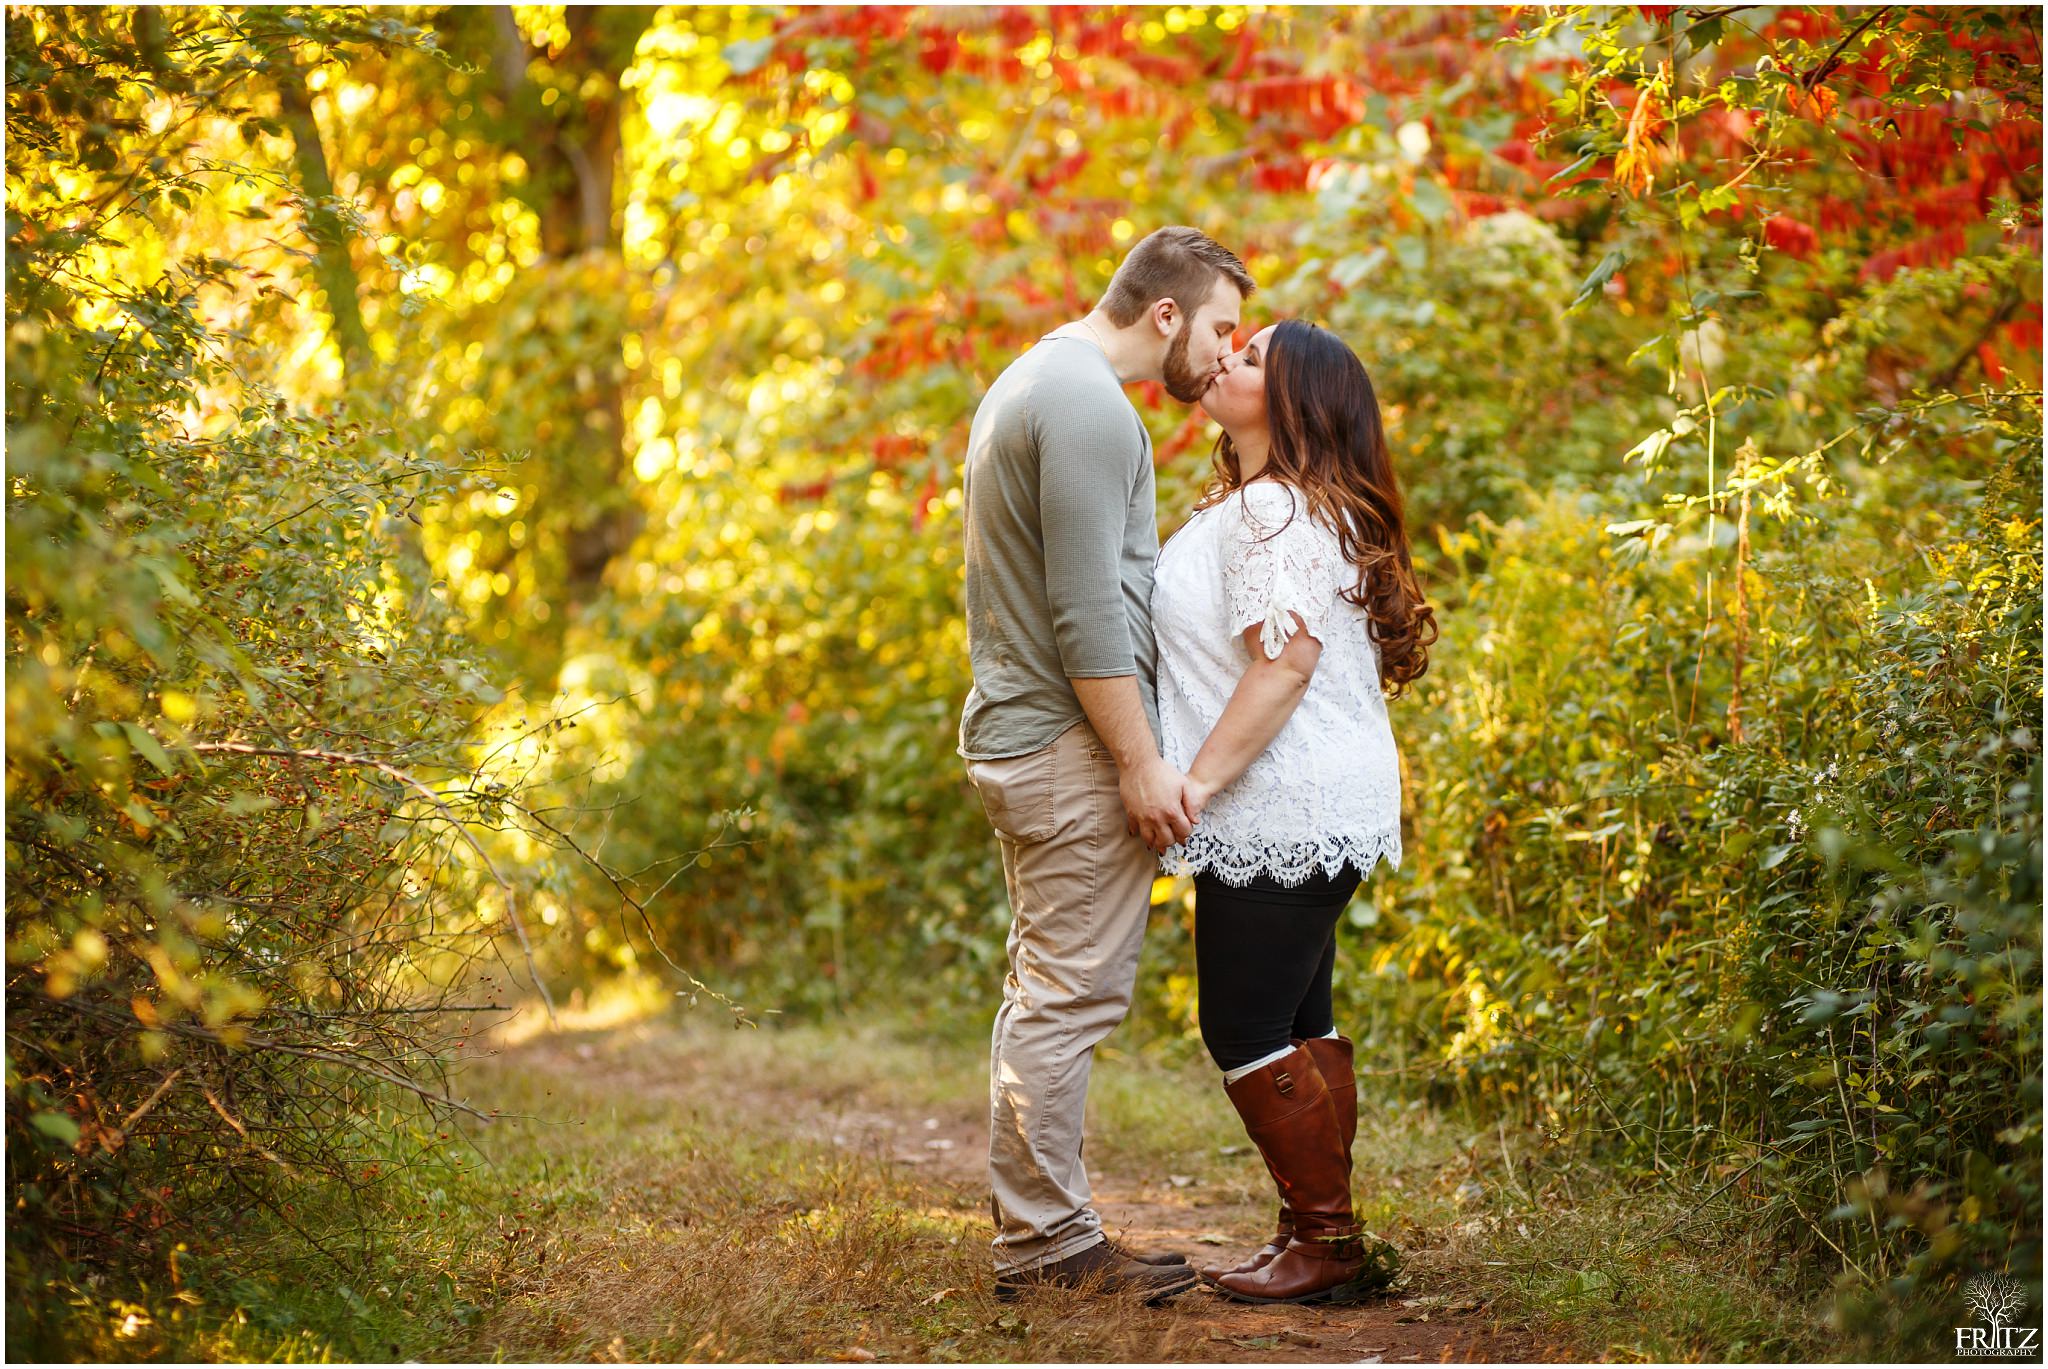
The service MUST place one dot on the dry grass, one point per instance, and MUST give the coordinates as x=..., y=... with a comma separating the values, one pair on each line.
x=708, y=1215
x=660, y=1188
x=728, y=1232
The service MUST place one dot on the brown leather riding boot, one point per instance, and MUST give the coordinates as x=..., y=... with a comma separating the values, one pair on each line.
x=1334, y=1058
x=1290, y=1116
x=1333, y=1055
x=1283, y=1232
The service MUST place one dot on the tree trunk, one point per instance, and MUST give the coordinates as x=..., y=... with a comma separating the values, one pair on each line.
x=572, y=151
x=330, y=234
x=333, y=267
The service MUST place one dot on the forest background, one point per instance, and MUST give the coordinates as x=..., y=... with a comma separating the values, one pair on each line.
x=483, y=517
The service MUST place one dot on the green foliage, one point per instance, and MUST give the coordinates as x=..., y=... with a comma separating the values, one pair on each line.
x=598, y=439
x=1689, y=495
x=821, y=683
x=1808, y=960
x=234, y=899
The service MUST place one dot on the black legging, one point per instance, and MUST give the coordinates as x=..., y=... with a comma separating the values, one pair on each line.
x=1263, y=955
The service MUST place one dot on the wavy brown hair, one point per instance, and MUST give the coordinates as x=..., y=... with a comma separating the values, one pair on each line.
x=1327, y=442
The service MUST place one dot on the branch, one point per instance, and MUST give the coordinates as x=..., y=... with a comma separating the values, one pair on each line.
x=510, y=55
x=330, y=233
x=265, y=1043
x=243, y=1132
x=1954, y=368
x=1826, y=68
x=112, y=1140
x=696, y=985
x=344, y=758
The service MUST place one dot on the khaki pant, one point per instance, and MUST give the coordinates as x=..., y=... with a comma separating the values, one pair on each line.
x=1080, y=890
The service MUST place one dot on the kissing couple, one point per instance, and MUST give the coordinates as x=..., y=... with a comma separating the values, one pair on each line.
x=1216, y=708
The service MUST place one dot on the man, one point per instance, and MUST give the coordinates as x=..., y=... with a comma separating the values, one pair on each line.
x=1060, y=731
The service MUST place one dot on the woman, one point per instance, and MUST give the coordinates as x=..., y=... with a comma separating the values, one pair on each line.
x=1287, y=612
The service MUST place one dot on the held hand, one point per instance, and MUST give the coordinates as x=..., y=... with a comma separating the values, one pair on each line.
x=1195, y=797
x=1153, y=798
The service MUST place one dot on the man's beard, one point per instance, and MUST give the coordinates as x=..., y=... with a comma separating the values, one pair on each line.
x=1183, y=384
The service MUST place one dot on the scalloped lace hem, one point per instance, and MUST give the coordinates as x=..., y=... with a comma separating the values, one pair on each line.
x=1239, y=863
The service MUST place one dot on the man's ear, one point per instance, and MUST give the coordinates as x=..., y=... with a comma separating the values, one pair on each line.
x=1164, y=312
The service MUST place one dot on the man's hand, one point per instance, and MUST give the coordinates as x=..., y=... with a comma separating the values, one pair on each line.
x=1153, y=793
x=1151, y=789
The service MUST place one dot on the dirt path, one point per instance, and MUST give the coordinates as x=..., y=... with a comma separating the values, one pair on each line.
x=1417, y=1324
x=1426, y=1319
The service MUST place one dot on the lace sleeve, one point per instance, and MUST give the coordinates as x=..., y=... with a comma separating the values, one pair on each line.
x=1276, y=564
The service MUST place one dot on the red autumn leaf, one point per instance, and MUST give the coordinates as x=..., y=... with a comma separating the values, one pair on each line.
x=1787, y=234
x=1994, y=370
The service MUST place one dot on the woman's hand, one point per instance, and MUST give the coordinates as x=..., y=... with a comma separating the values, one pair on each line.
x=1195, y=797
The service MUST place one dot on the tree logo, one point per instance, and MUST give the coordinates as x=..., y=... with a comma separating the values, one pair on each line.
x=1995, y=1299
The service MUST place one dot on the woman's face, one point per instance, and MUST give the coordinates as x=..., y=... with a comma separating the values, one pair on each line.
x=1236, y=398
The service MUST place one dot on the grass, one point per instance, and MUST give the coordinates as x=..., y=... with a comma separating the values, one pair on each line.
x=656, y=1189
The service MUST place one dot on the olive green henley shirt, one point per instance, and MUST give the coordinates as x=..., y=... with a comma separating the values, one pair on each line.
x=1062, y=536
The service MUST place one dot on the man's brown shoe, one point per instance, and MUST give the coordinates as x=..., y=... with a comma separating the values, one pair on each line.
x=1100, y=1269
x=1163, y=1257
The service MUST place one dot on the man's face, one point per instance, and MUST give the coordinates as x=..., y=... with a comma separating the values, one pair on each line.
x=1197, y=350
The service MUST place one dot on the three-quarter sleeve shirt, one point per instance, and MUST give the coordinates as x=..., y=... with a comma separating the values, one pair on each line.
x=1062, y=532
x=1326, y=791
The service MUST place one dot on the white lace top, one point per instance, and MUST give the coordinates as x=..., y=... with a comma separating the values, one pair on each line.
x=1327, y=790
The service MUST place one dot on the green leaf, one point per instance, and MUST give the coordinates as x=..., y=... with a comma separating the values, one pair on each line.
x=1431, y=201
x=1651, y=449
x=58, y=1124
x=151, y=749
x=1574, y=169
x=747, y=55
x=1593, y=284
x=1720, y=197
x=1704, y=34
x=1348, y=272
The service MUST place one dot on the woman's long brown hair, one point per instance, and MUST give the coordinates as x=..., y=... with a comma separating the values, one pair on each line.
x=1328, y=443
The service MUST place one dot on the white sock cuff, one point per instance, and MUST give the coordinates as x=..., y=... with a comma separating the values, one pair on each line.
x=1232, y=1076
x=1330, y=1035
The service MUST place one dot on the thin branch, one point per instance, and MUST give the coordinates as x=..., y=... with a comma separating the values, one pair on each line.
x=114, y=1138
x=697, y=985
x=242, y=1131
x=265, y=1043
x=372, y=762
x=1827, y=67
x=1948, y=374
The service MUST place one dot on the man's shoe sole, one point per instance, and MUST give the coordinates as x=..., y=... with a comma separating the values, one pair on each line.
x=1010, y=1292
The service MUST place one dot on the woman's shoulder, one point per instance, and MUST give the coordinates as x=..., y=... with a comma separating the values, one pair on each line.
x=1263, y=508
x=1268, y=501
